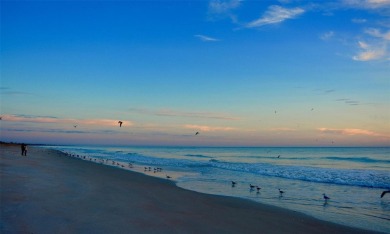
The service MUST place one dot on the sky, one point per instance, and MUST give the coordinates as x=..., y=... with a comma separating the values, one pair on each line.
x=241, y=73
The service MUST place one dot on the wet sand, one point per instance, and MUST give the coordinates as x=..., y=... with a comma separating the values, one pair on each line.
x=49, y=192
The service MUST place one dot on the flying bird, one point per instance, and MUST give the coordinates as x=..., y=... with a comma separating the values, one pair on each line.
x=384, y=192
x=120, y=123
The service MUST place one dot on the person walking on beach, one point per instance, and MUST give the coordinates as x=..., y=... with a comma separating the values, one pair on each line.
x=24, y=149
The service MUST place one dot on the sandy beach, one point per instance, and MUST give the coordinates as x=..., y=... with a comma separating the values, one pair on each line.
x=49, y=192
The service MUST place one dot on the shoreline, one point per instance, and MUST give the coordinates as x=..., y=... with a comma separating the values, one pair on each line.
x=49, y=192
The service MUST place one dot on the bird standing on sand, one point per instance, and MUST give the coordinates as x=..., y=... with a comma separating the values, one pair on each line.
x=120, y=123
x=75, y=126
x=384, y=192
x=281, y=192
x=168, y=177
x=234, y=183
x=197, y=133
x=326, y=198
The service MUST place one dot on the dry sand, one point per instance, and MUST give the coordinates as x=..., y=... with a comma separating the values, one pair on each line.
x=48, y=192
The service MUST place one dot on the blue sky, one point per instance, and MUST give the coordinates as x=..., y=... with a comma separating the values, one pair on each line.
x=242, y=73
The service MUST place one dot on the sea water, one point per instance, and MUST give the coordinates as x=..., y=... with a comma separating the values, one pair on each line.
x=353, y=178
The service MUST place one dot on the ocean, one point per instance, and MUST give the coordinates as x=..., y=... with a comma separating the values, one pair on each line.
x=353, y=178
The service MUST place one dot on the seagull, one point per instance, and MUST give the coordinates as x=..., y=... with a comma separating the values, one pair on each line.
x=168, y=177
x=258, y=189
x=197, y=133
x=75, y=126
x=234, y=183
x=384, y=192
x=120, y=123
x=326, y=198
x=278, y=156
x=251, y=186
x=281, y=192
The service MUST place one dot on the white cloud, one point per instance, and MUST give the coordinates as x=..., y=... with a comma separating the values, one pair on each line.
x=359, y=21
x=207, y=128
x=368, y=4
x=327, y=36
x=369, y=53
x=374, y=32
x=206, y=38
x=349, y=131
x=376, y=49
x=276, y=14
x=175, y=113
x=283, y=129
x=223, y=7
x=71, y=122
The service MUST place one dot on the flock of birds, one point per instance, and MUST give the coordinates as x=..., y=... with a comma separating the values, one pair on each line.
x=159, y=170
x=281, y=192
x=115, y=163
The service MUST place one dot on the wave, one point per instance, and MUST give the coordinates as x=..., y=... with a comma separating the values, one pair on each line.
x=359, y=159
x=197, y=156
x=351, y=177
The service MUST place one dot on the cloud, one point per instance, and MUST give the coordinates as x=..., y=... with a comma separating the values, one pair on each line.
x=359, y=21
x=375, y=32
x=349, y=101
x=367, y=4
x=327, y=36
x=50, y=119
x=370, y=52
x=7, y=91
x=276, y=14
x=223, y=7
x=220, y=9
x=283, y=129
x=207, y=128
x=349, y=131
x=168, y=112
x=206, y=38
x=375, y=48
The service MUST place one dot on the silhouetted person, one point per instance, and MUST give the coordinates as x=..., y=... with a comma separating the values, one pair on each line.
x=24, y=149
